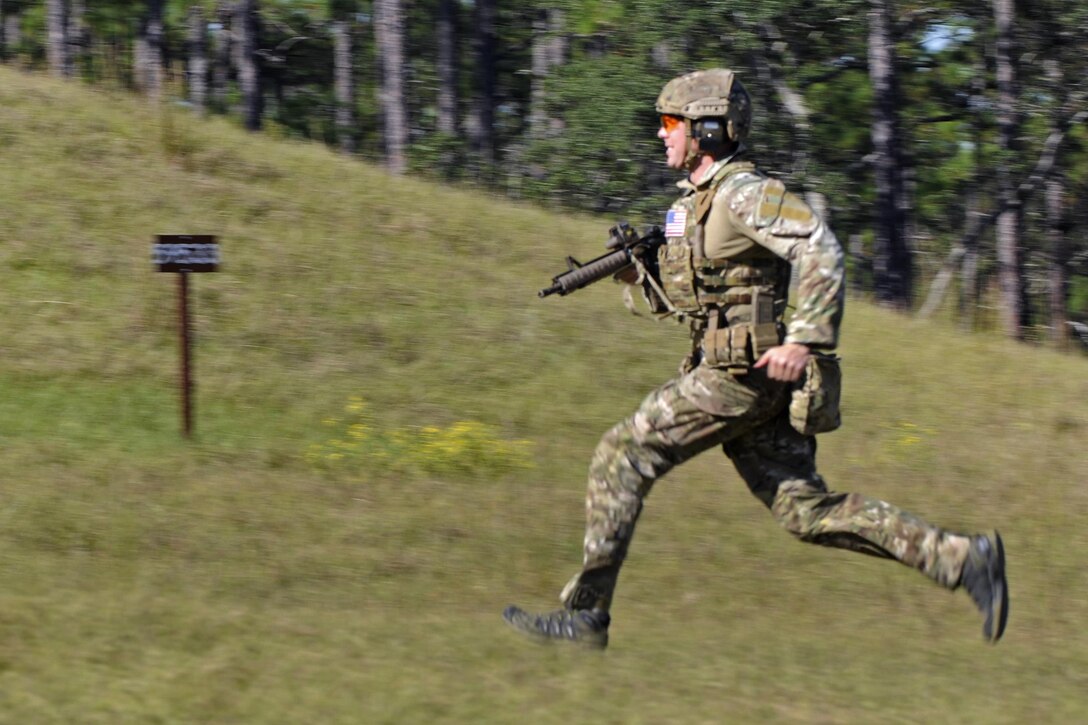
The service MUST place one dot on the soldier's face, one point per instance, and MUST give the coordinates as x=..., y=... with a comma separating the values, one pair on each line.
x=674, y=133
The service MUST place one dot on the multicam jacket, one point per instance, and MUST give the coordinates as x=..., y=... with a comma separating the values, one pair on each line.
x=731, y=240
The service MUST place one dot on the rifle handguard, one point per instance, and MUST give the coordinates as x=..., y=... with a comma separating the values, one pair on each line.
x=585, y=274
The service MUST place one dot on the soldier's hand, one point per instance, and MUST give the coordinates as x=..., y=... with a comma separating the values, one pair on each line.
x=627, y=275
x=785, y=362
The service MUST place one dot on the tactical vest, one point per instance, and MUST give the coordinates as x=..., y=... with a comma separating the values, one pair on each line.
x=734, y=302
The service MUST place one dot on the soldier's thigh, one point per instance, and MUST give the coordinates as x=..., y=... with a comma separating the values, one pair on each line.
x=702, y=409
x=774, y=455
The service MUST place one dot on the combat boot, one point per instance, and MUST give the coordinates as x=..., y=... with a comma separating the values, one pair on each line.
x=984, y=579
x=587, y=627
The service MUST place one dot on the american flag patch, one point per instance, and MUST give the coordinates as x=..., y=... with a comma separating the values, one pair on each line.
x=676, y=222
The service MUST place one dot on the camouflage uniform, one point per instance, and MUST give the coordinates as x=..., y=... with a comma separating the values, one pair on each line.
x=740, y=215
x=732, y=240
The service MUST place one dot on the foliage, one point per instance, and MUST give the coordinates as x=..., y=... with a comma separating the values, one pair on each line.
x=364, y=445
x=613, y=158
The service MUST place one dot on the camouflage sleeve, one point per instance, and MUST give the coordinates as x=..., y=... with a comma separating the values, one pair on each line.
x=785, y=224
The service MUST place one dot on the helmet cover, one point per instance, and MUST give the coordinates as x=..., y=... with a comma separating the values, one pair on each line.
x=714, y=93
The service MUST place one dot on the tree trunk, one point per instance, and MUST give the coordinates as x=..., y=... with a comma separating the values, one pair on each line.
x=4, y=45
x=1058, y=247
x=792, y=102
x=276, y=81
x=549, y=50
x=221, y=55
x=76, y=38
x=447, y=67
x=892, y=264
x=147, y=51
x=343, y=71
x=968, y=297
x=140, y=58
x=153, y=69
x=538, y=112
x=908, y=187
x=861, y=266
x=1057, y=258
x=56, y=45
x=483, y=140
x=558, y=56
x=197, y=73
x=1010, y=273
x=967, y=302
x=389, y=31
x=977, y=223
x=13, y=37
x=246, y=30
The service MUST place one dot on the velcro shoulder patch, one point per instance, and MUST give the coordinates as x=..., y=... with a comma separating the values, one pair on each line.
x=770, y=203
x=796, y=210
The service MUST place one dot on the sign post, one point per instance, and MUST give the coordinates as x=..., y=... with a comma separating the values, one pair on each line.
x=184, y=254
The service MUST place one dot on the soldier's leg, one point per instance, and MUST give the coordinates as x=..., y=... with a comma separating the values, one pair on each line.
x=674, y=423
x=779, y=466
x=682, y=418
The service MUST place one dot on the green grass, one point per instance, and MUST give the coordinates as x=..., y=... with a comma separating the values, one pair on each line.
x=225, y=580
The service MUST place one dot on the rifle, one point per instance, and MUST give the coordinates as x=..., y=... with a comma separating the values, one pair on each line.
x=628, y=245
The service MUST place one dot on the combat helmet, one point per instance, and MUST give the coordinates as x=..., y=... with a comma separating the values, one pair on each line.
x=714, y=93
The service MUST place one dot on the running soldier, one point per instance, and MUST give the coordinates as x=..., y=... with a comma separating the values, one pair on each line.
x=757, y=386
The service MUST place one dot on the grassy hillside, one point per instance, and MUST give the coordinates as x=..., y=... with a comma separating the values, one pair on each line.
x=236, y=579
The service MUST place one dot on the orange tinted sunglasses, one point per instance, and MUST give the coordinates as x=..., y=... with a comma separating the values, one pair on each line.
x=670, y=122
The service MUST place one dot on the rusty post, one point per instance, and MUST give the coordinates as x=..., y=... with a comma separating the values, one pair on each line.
x=185, y=254
x=186, y=355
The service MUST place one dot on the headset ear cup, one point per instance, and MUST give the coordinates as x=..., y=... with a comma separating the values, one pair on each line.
x=710, y=136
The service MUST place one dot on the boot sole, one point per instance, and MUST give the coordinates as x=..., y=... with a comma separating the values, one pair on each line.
x=596, y=643
x=1000, y=604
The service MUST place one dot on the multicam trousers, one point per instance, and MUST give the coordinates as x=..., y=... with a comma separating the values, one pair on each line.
x=746, y=413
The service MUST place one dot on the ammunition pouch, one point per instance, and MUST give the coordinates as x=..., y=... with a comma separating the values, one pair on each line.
x=678, y=276
x=733, y=338
x=814, y=402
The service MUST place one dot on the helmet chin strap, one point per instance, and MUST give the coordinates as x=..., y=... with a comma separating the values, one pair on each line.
x=691, y=157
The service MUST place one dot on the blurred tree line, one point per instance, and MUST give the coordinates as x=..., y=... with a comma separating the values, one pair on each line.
x=945, y=140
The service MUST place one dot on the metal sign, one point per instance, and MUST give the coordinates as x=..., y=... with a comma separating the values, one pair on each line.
x=185, y=253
